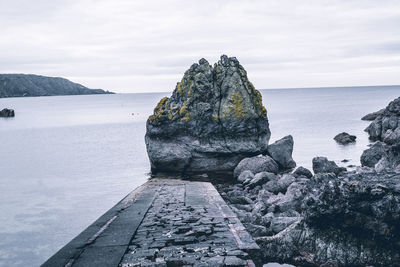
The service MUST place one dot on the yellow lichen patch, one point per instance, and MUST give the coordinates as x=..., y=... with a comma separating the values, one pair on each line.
x=182, y=109
x=260, y=104
x=179, y=87
x=238, y=105
x=252, y=86
x=263, y=111
x=160, y=104
x=160, y=109
x=186, y=118
x=152, y=118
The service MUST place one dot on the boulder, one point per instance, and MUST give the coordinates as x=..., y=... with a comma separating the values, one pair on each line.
x=7, y=113
x=323, y=165
x=261, y=178
x=213, y=120
x=245, y=176
x=372, y=116
x=372, y=155
x=285, y=181
x=301, y=171
x=345, y=138
x=281, y=151
x=256, y=164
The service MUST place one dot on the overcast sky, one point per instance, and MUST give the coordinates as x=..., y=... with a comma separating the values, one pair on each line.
x=145, y=46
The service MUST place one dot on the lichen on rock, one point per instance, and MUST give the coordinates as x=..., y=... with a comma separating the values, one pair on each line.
x=213, y=119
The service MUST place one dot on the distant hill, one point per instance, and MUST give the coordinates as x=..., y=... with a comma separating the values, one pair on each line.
x=15, y=85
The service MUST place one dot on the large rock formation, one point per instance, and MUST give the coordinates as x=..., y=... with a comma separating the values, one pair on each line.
x=386, y=130
x=213, y=119
x=16, y=85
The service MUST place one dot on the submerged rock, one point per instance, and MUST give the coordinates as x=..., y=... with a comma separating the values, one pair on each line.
x=345, y=138
x=281, y=151
x=7, y=113
x=213, y=120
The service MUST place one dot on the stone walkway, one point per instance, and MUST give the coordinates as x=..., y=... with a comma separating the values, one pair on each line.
x=165, y=222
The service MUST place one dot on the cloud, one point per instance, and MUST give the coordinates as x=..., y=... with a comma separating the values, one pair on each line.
x=140, y=46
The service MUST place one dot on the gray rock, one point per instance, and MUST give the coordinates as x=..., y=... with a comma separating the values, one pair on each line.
x=7, y=113
x=245, y=175
x=281, y=151
x=330, y=220
x=213, y=120
x=372, y=116
x=323, y=165
x=382, y=165
x=386, y=129
x=392, y=137
x=285, y=181
x=372, y=155
x=261, y=178
x=256, y=164
x=345, y=138
x=272, y=186
x=281, y=223
x=301, y=171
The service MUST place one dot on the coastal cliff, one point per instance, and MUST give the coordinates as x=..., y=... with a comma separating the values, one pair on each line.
x=213, y=119
x=18, y=85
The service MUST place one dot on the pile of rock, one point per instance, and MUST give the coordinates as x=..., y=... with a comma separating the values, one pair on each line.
x=326, y=219
x=384, y=154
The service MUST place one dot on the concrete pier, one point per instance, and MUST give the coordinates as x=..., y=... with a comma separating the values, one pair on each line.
x=165, y=222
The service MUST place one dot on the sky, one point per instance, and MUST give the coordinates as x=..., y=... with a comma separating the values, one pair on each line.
x=131, y=46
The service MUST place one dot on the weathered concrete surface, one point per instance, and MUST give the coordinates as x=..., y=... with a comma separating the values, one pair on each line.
x=165, y=222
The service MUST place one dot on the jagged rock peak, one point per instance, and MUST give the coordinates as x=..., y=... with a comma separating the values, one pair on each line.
x=218, y=86
x=218, y=109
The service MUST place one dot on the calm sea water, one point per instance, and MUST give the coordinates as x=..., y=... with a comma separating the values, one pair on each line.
x=66, y=160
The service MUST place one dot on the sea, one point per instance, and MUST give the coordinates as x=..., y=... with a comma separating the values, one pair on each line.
x=65, y=160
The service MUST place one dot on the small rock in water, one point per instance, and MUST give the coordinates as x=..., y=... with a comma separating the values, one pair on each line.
x=345, y=138
x=6, y=113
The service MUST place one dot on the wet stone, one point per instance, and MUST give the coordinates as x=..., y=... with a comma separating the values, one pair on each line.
x=175, y=234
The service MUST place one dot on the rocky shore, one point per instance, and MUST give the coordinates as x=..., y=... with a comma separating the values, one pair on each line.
x=328, y=217
x=331, y=218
